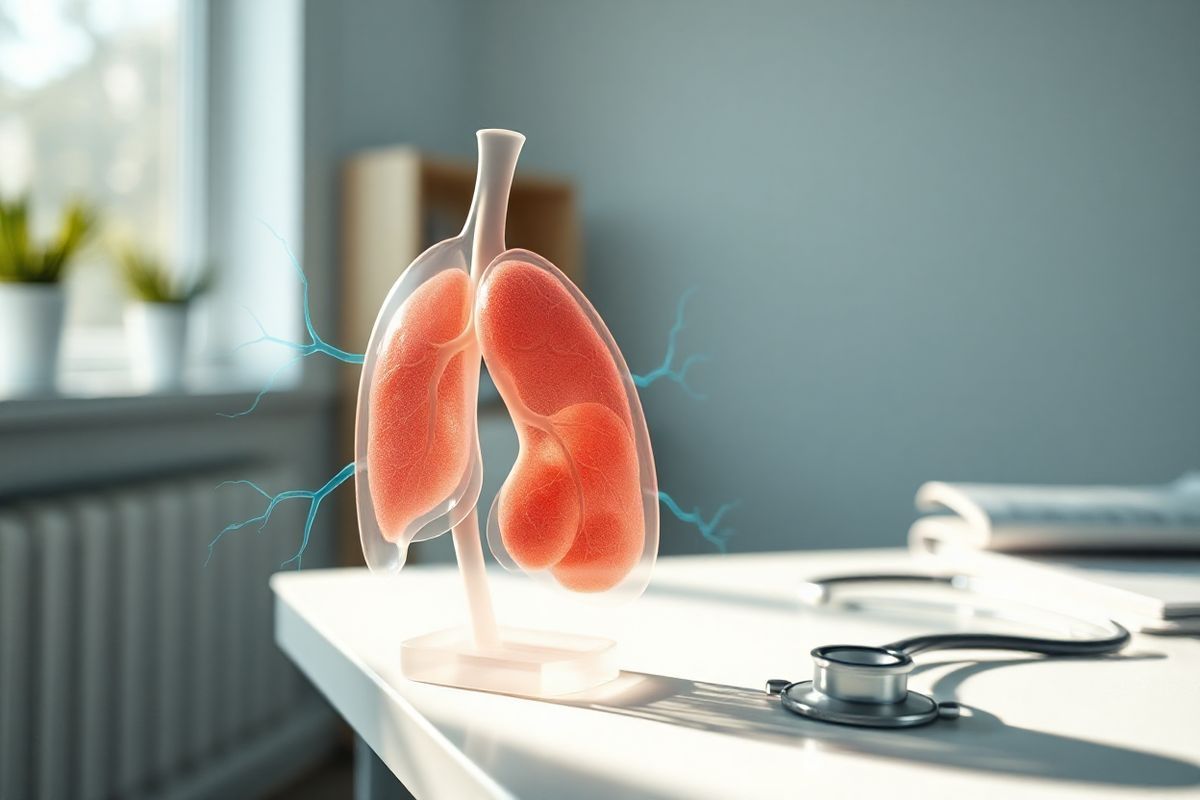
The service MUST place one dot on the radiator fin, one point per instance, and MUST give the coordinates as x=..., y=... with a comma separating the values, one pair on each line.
x=16, y=614
x=98, y=659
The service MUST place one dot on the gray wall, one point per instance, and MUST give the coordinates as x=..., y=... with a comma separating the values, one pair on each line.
x=931, y=240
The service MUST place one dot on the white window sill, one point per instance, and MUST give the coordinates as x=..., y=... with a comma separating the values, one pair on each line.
x=104, y=397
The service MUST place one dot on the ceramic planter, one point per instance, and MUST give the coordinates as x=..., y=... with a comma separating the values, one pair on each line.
x=31, y=317
x=157, y=337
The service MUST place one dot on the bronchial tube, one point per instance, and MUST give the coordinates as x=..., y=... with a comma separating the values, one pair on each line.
x=484, y=228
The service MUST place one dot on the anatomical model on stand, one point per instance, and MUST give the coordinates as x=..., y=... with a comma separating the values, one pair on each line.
x=579, y=508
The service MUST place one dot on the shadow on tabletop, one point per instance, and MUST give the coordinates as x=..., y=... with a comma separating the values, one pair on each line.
x=977, y=741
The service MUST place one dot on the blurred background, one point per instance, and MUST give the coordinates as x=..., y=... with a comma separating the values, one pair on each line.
x=929, y=240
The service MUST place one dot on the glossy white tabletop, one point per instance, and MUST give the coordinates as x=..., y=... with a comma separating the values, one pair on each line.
x=688, y=717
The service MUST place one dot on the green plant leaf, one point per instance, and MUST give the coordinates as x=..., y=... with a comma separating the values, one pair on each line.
x=24, y=261
x=147, y=278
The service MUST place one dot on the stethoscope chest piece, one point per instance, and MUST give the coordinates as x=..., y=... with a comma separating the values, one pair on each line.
x=868, y=686
x=862, y=686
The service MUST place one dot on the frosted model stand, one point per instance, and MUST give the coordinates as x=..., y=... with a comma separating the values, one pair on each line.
x=507, y=660
x=483, y=656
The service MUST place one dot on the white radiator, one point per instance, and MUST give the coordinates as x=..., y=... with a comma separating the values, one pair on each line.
x=130, y=669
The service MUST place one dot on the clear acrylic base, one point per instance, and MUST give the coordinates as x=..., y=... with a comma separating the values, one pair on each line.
x=525, y=662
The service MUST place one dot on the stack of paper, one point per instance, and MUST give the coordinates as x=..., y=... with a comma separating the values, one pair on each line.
x=1132, y=553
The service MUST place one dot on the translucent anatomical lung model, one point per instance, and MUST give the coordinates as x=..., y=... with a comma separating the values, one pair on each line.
x=579, y=508
x=581, y=501
x=419, y=448
x=417, y=463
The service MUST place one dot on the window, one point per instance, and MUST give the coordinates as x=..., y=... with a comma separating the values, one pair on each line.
x=92, y=104
x=181, y=121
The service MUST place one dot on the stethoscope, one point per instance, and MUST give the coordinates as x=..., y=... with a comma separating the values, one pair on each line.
x=868, y=686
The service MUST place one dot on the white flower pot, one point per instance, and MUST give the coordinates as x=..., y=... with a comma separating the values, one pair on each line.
x=31, y=317
x=157, y=337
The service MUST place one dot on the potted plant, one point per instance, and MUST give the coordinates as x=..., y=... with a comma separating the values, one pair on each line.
x=156, y=318
x=31, y=294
